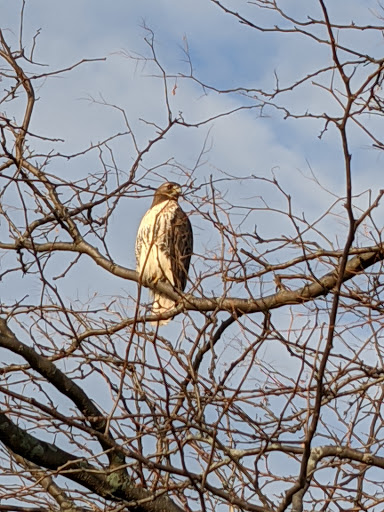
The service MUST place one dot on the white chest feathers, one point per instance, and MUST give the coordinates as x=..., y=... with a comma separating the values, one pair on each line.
x=153, y=243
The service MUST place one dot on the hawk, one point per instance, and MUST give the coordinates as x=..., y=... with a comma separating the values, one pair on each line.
x=164, y=245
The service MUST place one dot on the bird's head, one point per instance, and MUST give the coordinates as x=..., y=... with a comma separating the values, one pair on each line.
x=168, y=190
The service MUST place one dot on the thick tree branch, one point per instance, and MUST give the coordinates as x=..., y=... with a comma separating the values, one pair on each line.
x=61, y=382
x=323, y=285
x=105, y=483
x=46, y=481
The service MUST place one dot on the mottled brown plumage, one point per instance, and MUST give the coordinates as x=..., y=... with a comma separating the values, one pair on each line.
x=164, y=245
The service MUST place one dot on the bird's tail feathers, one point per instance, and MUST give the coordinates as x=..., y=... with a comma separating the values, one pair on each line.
x=160, y=305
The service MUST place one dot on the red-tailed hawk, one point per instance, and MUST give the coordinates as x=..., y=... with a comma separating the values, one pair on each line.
x=164, y=245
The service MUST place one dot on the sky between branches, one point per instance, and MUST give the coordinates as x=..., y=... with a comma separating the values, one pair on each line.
x=224, y=54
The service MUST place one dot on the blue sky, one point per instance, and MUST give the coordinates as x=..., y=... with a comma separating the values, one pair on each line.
x=224, y=54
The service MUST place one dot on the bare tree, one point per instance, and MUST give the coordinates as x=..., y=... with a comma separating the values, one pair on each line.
x=99, y=410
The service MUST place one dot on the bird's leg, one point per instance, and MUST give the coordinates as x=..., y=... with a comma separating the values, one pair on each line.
x=155, y=279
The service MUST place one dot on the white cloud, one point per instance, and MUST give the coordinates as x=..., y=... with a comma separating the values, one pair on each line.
x=224, y=53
